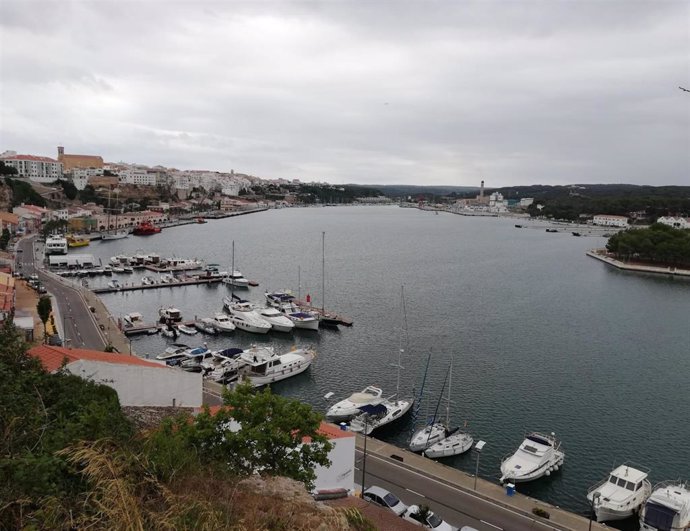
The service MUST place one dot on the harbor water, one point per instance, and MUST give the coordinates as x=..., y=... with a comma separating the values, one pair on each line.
x=541, y=336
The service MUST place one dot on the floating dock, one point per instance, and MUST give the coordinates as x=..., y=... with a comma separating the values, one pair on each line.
x=136, y=287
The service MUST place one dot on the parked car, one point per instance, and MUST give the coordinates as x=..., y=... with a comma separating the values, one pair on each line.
x=428, y=520
x=384, y=498
x=42, y=289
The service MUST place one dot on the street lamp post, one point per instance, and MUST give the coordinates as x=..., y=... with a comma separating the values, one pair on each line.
x=477, y=448
x=595, y=499
x=364, y=457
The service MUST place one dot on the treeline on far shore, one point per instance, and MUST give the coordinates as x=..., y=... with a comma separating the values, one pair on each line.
x=659, y=244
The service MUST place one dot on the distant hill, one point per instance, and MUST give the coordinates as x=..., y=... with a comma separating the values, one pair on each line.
x=539, y=191
x=403, y=190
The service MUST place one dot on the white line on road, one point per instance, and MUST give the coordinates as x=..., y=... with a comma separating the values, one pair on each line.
x=415, y=492
x=492, y=525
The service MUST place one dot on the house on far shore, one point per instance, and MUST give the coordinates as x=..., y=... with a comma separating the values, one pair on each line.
x=675, y=222
x=610, y=221
x=138, y=382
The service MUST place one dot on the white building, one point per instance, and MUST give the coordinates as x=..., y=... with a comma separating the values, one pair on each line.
x=675, y=222
x=610, y=221
x=39, y=169
x=497, y=203
x=138, y=177
x=138, y=382
x=526, y=201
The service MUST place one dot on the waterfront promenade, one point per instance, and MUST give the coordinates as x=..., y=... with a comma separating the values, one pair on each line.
x=451, y=492
x=603, y=256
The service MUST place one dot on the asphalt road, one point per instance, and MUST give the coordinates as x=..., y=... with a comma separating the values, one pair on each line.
x=456, y=506
x=80, y=329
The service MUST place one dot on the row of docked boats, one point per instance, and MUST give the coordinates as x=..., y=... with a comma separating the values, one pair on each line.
x=142, y=259
x=625, y=492
x=259, y=365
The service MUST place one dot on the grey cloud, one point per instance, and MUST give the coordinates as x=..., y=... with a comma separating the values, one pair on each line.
x=435, y=92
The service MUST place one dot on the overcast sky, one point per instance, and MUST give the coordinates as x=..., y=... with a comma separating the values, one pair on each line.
x=424, y=92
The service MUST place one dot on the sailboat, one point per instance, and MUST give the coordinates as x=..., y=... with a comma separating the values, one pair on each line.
x=325, y=319
x=374, y=416
x=235, y=279
x=433, y=431
x=454, y=441
x=116, y=234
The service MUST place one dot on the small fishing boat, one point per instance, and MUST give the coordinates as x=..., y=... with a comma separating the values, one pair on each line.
x=223, y=324
x=188, y=330
x=263, y=366
x=206, y=325
x=349, y=407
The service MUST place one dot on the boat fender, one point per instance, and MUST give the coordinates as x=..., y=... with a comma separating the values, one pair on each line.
x=548, y=472
x=555, y=468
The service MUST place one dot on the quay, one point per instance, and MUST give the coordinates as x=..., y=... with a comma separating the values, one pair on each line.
x=135, y=287
x=603, y=256
x=457, y=490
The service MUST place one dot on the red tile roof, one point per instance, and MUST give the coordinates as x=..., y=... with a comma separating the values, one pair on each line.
x=29, y=157
x=52, y=357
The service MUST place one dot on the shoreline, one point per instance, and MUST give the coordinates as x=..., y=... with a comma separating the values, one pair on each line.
x=602, y=255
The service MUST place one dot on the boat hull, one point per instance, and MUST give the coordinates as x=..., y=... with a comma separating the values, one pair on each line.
x=455, y=444
x=258, y=381
x=545, y=469
x=397, y=410
x=305, y=324
x=426, y=437
x=248, y=327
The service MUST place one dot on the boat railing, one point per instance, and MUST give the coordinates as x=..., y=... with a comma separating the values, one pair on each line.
x=671, y=483
x=596, y=486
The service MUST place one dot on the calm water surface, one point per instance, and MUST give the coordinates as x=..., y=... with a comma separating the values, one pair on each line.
x=541, y=336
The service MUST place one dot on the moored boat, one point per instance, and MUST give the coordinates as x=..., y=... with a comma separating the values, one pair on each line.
x=278, y=321
x=263, y=366
x=170, y=314
x=223, y=324
x=145, y=228
x=349, y=407
x=455, y=443
x=206, y=325
x=244, y=317
x=621, y=494
x=188, y=330
x=667, y=508
x=537, y=456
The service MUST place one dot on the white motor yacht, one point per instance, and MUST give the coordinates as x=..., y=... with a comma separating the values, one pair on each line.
x=146, y=281
x=244, y=317
x=376, y=415
x=457, y=442
x=282, y=300
x=236, y=280
x=537, y=456
x=349, y=407
x=174, y=351
x=279, y=322
x=263, y=366
x=621, y=494
x=668, y=508
x=427, y=436
x=170, y=314
x=114, y=284
x=303, y=320
x=223, y=323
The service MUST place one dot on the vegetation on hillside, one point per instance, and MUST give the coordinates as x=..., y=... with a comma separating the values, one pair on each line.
x=657, y=244
x=23, y=192
x=70, y=459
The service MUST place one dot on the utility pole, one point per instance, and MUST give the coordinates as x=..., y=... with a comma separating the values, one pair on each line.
x=364, y=458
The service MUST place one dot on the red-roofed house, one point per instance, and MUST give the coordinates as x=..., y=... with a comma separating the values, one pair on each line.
x=340, y=475
x=138, y=382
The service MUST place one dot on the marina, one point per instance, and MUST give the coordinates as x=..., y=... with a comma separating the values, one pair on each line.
x=492, y=363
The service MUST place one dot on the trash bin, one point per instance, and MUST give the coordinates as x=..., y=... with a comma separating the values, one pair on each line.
x=510, y=489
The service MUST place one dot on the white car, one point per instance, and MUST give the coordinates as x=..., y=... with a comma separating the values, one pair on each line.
x=384, y=498
x=430, y=521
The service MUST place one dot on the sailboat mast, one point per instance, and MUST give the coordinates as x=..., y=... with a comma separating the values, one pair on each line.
x=323, y=272
x=403, y=326
x=232, y=271
x=450, y=378
x=299, y=283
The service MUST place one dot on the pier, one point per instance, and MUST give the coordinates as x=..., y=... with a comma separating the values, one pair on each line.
x=602, y=255
x=137, y=287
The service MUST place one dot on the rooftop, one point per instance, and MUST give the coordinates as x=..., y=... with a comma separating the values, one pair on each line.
x=30, y=157
x=53, y=357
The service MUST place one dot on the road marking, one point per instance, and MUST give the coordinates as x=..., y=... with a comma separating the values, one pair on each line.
x=488, y=501
x=415, y=492
x=492, y=525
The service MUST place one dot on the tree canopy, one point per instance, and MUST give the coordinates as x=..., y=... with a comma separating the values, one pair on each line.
x=657, y=244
